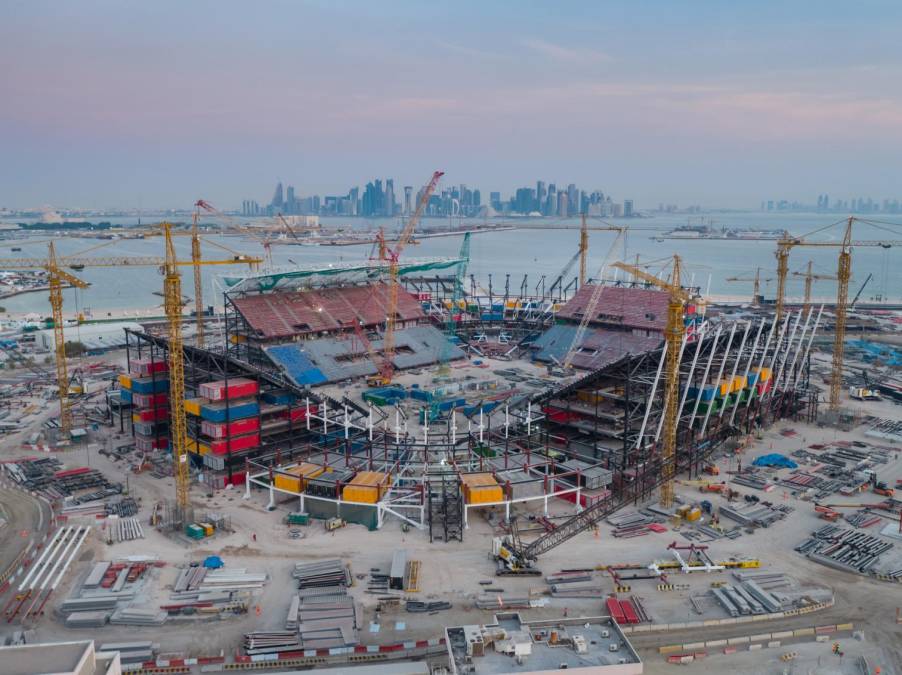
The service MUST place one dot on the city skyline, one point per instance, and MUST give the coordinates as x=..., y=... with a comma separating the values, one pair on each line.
x=378, y=199
x=671, y=103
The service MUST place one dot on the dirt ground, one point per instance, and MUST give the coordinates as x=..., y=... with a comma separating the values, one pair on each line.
x=452, y=570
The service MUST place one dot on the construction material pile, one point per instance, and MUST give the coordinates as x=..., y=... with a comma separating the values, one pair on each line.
x=847, y=550
x=105, y=592
x=325, y=573
x=747, y=597
x=126, y=529
x=759, y=514
x=320, y=616
x=46, y=476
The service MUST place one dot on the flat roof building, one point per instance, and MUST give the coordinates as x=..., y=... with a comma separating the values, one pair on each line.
x=59, y=658
x=583, y=645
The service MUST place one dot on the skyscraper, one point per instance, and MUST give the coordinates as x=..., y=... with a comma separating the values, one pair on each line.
x=562, y=204
x=540, y=196
x=408, y=196
x=277, y=199
x=572, y=200
x=388, y=208
x=627, y=208
x=289, y=200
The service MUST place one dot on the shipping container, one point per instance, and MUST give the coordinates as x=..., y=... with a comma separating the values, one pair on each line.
x=240, y=387
x=294, y=479
x=151, y=428
x=125, y=395
x=150, y=400
x=125, y=381
x=223, y=429
x=234, y=444
x=148, y=444
x=148, y=385
x=147, y=367
x=481, y=488
x=192, y=406
x=367, y=487
x=235, y=410
x=196, y=447
x=279, y=397
x=151, y=414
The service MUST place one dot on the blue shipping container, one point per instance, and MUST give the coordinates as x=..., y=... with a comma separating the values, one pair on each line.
x=220, y=412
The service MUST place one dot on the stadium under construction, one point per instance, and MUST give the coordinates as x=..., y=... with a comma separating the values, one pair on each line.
x=480, y=413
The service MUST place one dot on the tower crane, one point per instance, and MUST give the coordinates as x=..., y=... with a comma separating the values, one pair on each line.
x=843, y=274
x=756, y=290
x=172, y=300
x=809, y=278
x=57, y=277
x=594, y=299
x=392, y=255
x=673, y=339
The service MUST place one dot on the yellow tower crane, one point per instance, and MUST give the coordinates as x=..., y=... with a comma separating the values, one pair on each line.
x=673, y=339
x=756, y=290
x=843, y=274
x=58, y=277
x=810, y=277
x=393, y=254
x=172, y=301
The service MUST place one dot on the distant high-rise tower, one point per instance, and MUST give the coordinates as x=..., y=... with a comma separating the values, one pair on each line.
x=627, y=208
x=277, y=199
x=408, y=196
x=540, y=196
x=389, y=198
x=289, y=199
x=572, y=200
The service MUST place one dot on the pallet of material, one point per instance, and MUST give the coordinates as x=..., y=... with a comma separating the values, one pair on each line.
x=291, y=621
x=88, y=604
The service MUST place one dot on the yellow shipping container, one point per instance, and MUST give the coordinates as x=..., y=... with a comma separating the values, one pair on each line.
x=740, y=382
x=192, y=406
x=125, y=381
x=299, y=475
x=764, y=374
x=694, y=514
x=207, y=528
x=367, y=487
x=483, y=495
x=724, y=388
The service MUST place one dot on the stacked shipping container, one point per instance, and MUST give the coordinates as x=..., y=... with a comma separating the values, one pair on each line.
x=146, y=386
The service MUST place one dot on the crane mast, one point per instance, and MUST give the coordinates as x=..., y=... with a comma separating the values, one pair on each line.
x=388, y=342
x=673, y=339
x=843, y=274
x=172, y=298
x=56, y=276
x=198, y=279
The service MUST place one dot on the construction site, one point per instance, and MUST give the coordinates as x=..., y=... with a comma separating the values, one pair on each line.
x=390, y=466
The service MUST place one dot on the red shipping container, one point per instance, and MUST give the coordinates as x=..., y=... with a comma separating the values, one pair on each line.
x=239, y=478
x=236, y=443
x=236, y=428
x=150, y=400
x=615, y=611
x=151, y=415
x=146, y=367
x=240, y=387
x=299, y=413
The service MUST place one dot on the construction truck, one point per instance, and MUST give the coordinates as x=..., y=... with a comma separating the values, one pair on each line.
x=863, y=394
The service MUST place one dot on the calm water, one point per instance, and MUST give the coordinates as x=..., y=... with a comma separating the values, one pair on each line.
x=531, y=252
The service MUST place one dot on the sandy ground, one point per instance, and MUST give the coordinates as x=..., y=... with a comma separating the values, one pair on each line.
x=452, y=570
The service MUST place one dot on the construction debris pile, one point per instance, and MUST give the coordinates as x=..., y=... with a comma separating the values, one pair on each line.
x=320, y=616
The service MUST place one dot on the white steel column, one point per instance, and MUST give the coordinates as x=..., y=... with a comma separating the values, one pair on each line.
x=723, y=363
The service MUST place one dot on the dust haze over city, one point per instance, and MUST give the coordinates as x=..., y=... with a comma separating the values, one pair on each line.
x=430, y=339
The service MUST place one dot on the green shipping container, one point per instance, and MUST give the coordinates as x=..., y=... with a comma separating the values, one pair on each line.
x=298, y=518
x=194, y=531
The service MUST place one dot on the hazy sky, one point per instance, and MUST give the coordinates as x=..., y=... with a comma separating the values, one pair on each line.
x=146, y=104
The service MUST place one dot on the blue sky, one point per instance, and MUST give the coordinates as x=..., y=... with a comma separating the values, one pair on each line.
x=114, y=104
